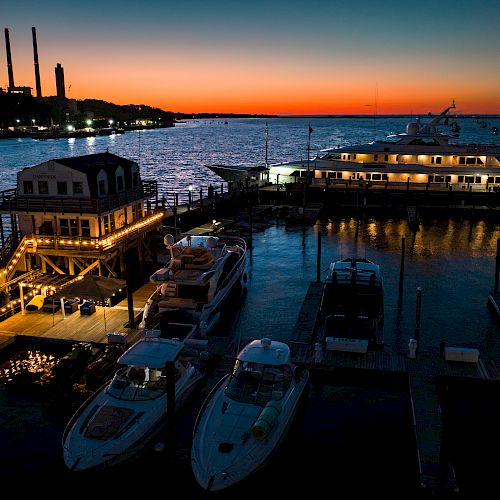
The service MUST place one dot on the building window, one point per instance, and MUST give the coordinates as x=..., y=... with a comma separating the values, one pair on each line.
x=119, y=183
x=102, y=188
x=62, y=187
x=43, y=187
x=28, y=187
x=109, y=223
x=85, y=228
x=68, y=227
x=77, y=187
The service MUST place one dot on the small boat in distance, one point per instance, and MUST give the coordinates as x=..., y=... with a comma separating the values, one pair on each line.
x=195, y=284
x=246, y=415
x=352, y=304
x=124, y=416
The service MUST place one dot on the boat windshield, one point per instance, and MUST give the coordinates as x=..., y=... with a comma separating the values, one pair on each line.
x=137, y=384
x=258, y=383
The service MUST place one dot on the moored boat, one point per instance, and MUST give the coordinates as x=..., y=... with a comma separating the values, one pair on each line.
x=247, y=415
x=124, y=416
x=352, y=305
x=423, y=154
x=195, y=284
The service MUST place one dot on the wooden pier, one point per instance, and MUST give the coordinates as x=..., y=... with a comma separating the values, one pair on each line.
x=423, y=371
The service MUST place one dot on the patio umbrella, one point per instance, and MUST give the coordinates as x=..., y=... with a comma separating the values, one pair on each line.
x=98, y=288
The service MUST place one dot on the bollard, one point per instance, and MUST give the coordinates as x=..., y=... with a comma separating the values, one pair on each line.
x=412, y=348
x=318, y=353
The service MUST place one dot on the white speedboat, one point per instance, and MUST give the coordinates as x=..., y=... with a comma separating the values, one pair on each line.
x=247, y=415
x=352, y=304
x=195, y=285
x=125, y=415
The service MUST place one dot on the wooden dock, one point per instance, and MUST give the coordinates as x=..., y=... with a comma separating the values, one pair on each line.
x=422, y=372
x=93, y=328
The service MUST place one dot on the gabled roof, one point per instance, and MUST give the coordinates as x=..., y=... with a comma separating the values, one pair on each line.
x=88, y=163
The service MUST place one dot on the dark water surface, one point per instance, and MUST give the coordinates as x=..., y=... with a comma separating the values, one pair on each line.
x=347, y=437
x=363, y=431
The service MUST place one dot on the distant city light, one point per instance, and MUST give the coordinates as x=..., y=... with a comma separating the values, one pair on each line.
x=70, y=128
x=89, y=122
x=111, y=122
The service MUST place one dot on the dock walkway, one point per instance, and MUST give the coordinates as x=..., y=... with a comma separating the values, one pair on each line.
x=422, y=371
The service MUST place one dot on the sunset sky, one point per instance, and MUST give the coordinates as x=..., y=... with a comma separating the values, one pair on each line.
x=279, y=57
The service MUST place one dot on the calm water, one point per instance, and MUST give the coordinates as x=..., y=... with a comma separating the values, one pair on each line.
x=452, y=260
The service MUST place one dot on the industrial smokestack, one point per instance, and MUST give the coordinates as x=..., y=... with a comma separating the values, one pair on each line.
x=37, y=69
x=61, y=93
x=9, y=59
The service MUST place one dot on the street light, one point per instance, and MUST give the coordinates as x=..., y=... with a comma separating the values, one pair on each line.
x=89, y=123
x=111, y=122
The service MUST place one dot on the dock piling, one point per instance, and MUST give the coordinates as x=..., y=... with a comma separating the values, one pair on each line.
x=417, y=318
x=497, y=265
x=318, y=260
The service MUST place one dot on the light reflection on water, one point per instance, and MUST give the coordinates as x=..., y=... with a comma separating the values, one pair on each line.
x=453, y=261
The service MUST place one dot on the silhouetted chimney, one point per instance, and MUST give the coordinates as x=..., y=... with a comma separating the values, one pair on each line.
x=37, y=69
x=9, y=59
x=61, y=93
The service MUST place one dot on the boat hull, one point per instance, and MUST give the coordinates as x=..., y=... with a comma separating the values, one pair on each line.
x=215, y=468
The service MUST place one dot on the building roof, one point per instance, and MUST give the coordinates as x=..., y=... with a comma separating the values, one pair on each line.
x=88, y=163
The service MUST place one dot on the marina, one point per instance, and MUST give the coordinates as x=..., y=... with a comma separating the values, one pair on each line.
x=396, y=389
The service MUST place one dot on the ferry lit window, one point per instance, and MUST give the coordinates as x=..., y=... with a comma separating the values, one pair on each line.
x=348, y=157
x=470, y=161
x=448, y=178
x=479, y=161
x=384, y=177
x=490, y=180
x=439, y=178
x=386, y=157
x=323, y=175
x=460, y=178
x=430, y=178
x=85, y=228
x=439, y=160
x=497, y=180
x=354, y=157
x=77, y=187
x=461, y=160
x=468, y=179
x=62, y=187
x=477, y=180
x=28, y=187
x=102, y=188
x=43, y=187
x=376, y=177
x=375, y=157
x=119, y=183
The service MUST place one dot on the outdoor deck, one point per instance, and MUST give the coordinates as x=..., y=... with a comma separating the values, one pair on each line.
x=93, y=328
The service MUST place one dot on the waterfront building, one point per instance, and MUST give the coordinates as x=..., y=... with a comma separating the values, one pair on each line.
x=75, y=216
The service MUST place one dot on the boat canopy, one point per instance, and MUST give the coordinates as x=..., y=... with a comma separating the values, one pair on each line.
x=266, y=352
x=152, y=353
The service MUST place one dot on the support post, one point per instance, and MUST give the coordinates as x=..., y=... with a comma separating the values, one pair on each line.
x=417, y=316
x=170, y=423
x=497, y=265
x=402, y=267
x=318, y=260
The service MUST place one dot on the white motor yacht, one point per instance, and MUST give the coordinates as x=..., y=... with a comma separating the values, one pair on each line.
x=128, y=412
x=422, y=155
x=195, y=285
x=246, y=415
